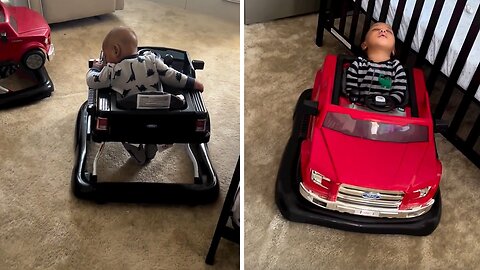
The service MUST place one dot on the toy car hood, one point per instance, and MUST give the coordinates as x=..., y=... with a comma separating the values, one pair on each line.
x=28, y=21
x=367, y=163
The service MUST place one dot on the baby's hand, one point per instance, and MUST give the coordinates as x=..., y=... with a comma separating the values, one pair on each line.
x=97, y=64
x=198, y=86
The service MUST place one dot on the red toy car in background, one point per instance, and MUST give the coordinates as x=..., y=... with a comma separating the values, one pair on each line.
x=24, y=37
x=361, y=166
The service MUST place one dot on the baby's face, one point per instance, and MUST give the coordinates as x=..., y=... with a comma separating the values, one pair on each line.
x=380, y=35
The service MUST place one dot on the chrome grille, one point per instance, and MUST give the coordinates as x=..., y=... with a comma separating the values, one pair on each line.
x=103, y=104
x=365, y=197
x=197, y=101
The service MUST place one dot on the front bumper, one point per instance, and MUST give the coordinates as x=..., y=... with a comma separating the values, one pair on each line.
x=294, y=207
x=51, y=52
x=363, y=211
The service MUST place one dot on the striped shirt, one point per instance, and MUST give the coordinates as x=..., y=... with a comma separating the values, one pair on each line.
x=382, y=78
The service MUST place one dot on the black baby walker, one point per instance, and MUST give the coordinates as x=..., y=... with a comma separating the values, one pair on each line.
x=41, y=85
x=172, y=116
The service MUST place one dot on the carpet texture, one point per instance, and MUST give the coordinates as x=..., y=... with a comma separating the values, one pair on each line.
x=280, y=62
x=43, y=226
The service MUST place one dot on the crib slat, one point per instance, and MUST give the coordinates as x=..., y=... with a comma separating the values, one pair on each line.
x=343, y=18
x=427, y=38
x=412, y=27
x=466, y=100
x=368, y=18
x=444, y=47
x=398, y=15
x=459, y=64
x=474, y=133
x=353, y=27
x=330, y=20
x=384, y=12
x=321, y=22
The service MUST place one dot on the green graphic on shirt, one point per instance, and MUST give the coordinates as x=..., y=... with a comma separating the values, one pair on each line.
x=385, y=81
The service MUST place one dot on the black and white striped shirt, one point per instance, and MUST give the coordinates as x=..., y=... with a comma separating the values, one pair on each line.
x=382, y=78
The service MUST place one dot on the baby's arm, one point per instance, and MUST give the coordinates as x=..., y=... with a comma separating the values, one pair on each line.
x=352, y=78
x=99, y=77
x=399, y=84
x=174, y=78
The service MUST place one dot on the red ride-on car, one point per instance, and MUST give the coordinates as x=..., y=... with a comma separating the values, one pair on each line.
x=24, y=37
x=363, y=166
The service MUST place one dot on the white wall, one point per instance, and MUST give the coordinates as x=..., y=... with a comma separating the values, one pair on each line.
x=266, y=10
x=225, y=9
x=16, y=2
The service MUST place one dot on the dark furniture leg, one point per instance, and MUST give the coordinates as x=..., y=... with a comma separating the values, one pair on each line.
x=322, y=16
x=222, y=230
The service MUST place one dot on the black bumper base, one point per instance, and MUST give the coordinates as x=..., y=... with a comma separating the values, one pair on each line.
x=204, y=189
x=295, y=208
x=42, y=89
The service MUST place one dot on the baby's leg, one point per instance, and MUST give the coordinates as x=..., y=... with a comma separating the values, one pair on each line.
x=138, y=153
x=150, y=151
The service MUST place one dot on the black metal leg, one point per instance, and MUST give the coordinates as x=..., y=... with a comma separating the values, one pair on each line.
x=222, y=230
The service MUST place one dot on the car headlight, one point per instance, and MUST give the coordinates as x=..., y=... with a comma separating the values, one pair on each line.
x=319, y=179
x=422, y=192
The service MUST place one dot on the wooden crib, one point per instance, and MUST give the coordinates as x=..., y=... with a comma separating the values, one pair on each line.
x=438, y=36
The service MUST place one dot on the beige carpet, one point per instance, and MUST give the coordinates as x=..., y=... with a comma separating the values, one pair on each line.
x=43, y=226
x=280, y=62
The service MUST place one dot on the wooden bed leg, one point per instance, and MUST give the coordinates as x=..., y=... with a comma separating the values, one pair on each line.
x=222, y=230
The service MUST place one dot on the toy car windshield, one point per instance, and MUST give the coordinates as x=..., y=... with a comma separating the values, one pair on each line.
x=375, y=130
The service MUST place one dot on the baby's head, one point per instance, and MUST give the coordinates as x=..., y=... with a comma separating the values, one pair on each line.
x=119, y=43
x=379, y=38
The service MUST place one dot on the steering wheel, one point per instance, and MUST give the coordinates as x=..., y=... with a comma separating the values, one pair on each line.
x=379, y=103
x=167, y=59
x=143, y=51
